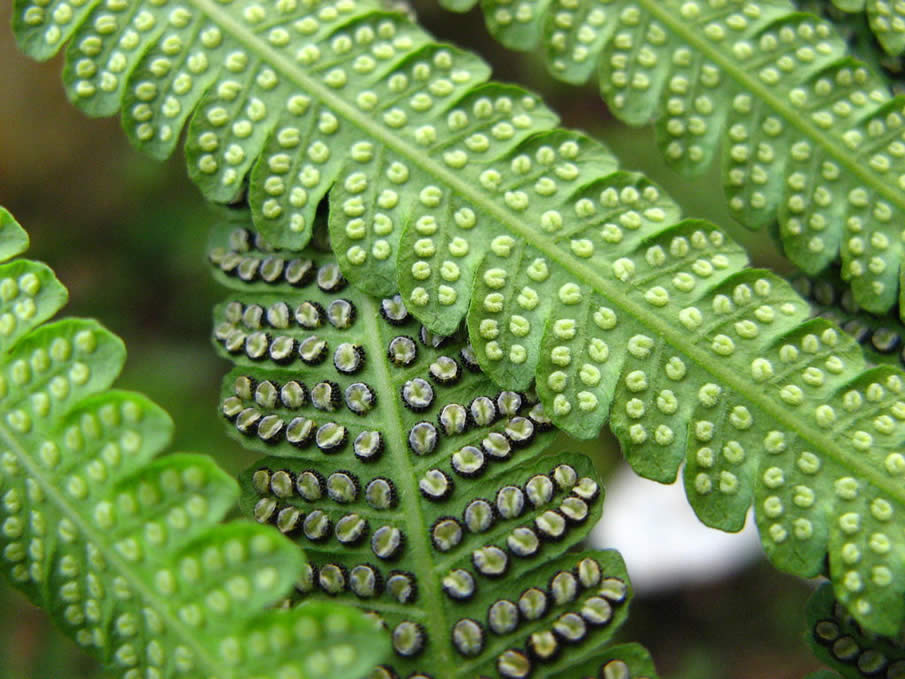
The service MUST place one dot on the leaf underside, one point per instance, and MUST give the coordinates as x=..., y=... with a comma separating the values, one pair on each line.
x=459, y=194
x=841, y=644
x=855, y=28
x=881, y=337
x=416, y=488
x=811, y=138
x=886, y=20
x=123, y=550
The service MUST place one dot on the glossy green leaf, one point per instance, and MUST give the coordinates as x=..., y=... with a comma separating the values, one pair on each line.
x=122, y=549
x=415, y=487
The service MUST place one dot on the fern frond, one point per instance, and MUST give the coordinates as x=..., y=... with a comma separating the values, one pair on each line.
x=886, y=19
x=417, y=489
x=811, y=137
x=583, y=276
x=856, y=31
x=881, y=337
x=290, y=97
x=842, y=645
x=123, y=549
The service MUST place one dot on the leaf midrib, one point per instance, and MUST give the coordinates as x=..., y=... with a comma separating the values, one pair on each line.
x=607, y=288
x=421, y=558
x=791, y=116
x=186, y=635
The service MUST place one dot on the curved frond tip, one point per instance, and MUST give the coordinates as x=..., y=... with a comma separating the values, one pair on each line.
x=122, y=549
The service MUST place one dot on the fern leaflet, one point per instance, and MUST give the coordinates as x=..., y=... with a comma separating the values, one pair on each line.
x=886, y=19
x=122, y=549
x=417, y=489
x=839, y=642
x=856, y=31
x=812, y=137
x=881, y=337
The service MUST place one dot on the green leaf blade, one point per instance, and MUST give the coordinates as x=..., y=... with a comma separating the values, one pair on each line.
x=30, y=295
x=630, y=660
x=881, y=337
x=42, y=30
x=517, y=27
x=97, y=67
x=13, y=238
x=849, y=5
x=71, y=359
x=887, y=21
x=602, y=243
x=458, y=5
x=683, y=304
x=488, y=123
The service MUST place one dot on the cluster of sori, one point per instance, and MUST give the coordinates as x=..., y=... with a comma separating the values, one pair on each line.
x=459, y=194
x=867, y=31
x=794, y=140
x=128, y=549
x=270, y=410
x=294, y=501
x=295, y=333
x=410, y=481
x=844, y=645
x=881, y=337
x=297, y=502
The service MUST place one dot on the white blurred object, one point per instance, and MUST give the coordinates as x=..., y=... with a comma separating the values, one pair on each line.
x=664, y=544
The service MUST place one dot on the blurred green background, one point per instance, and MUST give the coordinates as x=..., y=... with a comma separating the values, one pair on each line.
x=127, y=235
